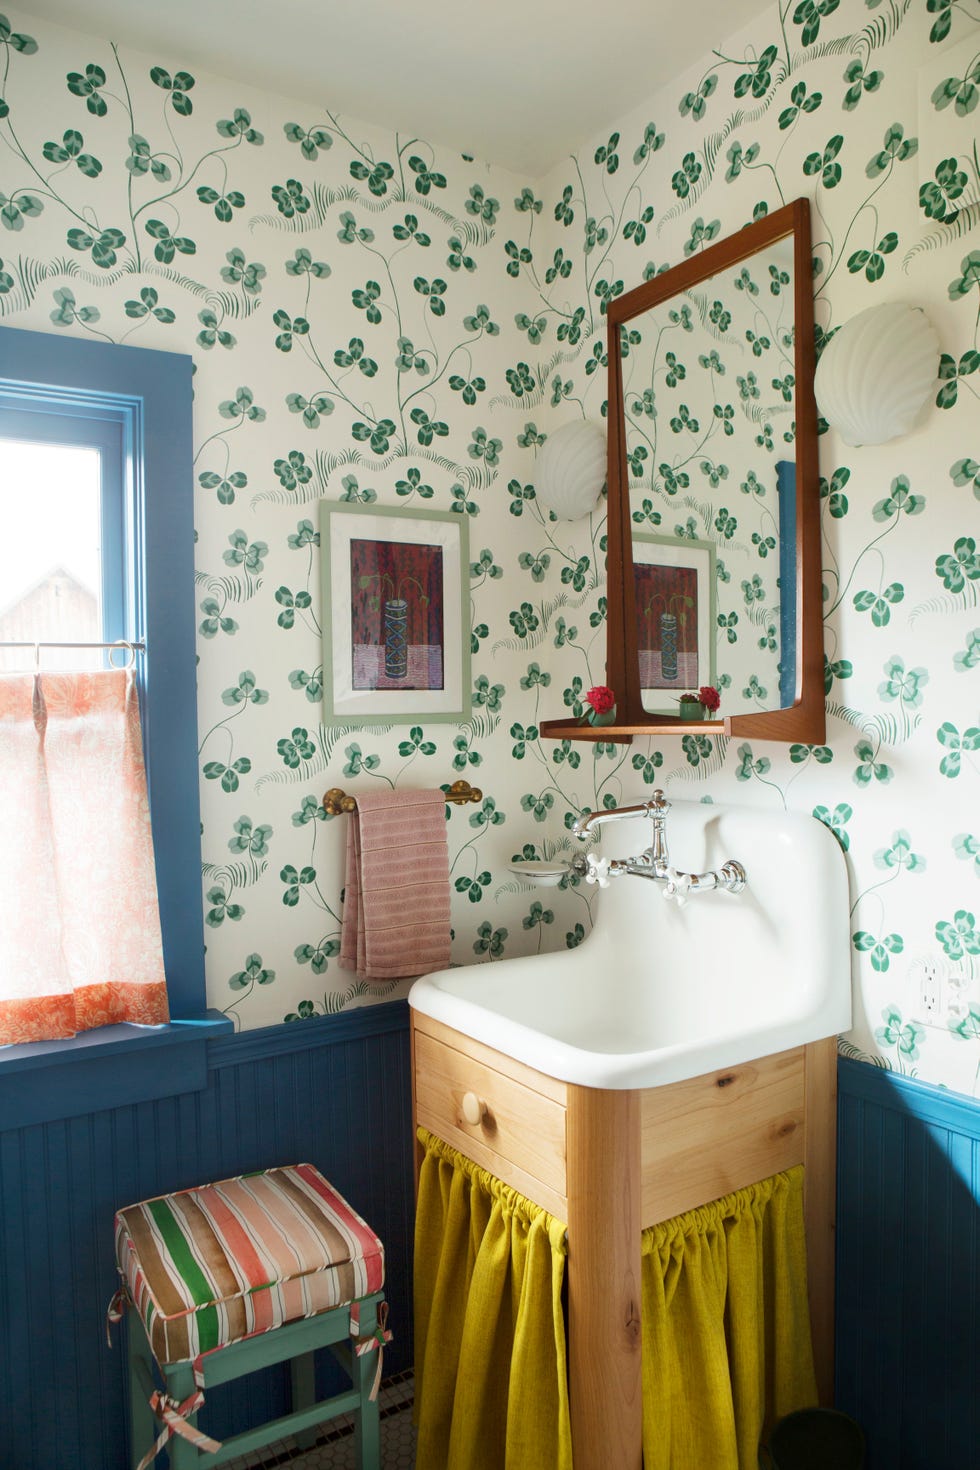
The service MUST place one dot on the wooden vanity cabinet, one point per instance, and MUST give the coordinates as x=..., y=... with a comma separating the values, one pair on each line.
x=655, y=1152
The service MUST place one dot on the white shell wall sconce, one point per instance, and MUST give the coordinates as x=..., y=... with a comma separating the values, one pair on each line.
x=876, y=372
x=571, y=470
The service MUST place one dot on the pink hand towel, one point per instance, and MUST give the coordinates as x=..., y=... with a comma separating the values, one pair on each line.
x=396, y=906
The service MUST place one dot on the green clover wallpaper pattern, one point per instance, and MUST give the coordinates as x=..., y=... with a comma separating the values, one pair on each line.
x=377, y=320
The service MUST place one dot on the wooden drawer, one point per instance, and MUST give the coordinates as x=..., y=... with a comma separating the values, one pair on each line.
x=521, y=1135
x=720, y=1132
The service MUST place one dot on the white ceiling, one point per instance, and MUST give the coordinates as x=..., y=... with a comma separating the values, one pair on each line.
x=517, y=82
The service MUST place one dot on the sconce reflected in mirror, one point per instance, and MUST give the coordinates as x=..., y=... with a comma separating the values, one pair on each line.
x=571, y=470
x=876, y=373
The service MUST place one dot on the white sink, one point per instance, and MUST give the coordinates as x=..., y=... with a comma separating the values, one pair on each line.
x=660, y=992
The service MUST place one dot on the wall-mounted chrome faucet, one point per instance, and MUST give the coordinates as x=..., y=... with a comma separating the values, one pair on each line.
x=654, y=862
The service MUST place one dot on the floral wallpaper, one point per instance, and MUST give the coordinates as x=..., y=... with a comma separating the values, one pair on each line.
x=378, y=321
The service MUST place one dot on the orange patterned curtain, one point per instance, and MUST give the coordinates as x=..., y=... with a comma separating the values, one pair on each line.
x=80, y=941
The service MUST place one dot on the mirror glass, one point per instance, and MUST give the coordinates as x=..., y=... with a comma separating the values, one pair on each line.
x=709, y=390
x=713, y=566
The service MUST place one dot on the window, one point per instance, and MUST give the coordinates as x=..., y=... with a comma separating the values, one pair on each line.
x=132, y=407
x=63, y=549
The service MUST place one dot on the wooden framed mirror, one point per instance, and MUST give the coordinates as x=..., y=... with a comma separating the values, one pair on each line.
x=713, y=560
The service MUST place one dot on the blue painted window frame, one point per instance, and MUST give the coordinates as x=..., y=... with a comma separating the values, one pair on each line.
x=149, y=392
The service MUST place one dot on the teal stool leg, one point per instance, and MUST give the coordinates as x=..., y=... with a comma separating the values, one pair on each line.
x=143, y=1427
x=302, y=1377
x=367, y=1425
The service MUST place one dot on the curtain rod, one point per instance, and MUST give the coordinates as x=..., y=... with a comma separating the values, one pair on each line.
x=132, y=649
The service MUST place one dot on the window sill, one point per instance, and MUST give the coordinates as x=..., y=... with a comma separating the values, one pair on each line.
x=45, y=1080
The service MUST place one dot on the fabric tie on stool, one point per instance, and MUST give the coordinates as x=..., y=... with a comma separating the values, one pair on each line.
x=175, y=1419
x=377, y=1340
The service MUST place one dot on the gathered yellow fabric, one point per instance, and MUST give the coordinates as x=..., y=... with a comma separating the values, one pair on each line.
x=726, y=1327
x=491, y=1388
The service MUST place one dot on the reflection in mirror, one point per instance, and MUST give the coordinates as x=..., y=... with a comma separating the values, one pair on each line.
x=709, y=394
x=676, y=630
x=713, y=515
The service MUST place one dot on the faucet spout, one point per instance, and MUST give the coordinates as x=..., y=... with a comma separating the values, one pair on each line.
x=658, y=805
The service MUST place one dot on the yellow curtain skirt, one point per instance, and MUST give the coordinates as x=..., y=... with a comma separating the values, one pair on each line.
x=726, y=1327
x=491, y=1389
x=726, y=1332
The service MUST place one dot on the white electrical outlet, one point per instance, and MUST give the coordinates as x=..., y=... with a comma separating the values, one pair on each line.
x=930, y=988
x=927, y=975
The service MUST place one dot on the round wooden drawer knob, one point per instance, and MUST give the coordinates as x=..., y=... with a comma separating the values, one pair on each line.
x=474, y=1108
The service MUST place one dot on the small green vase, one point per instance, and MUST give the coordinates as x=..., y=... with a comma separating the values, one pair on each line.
x=607, y=718
x=691, y=709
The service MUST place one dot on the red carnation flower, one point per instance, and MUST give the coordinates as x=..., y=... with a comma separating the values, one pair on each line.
x=601, y=698
x=708, y=696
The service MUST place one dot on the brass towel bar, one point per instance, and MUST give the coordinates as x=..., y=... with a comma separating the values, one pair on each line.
x=336, y=801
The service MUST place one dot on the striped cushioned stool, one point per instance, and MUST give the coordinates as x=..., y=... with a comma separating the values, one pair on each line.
x=231, y=1277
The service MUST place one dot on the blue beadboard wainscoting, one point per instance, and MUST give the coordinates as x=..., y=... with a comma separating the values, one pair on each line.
x=336, y=1090
x=908, y=1268
x=333, y=1090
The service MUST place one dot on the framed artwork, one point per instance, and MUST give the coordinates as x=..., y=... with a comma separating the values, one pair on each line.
x=396, y=642
x=675, y=618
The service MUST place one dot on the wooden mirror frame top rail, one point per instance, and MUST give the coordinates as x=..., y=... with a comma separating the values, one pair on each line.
x=805, y=719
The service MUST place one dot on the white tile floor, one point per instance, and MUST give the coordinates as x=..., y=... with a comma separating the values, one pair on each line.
x=334, y=1449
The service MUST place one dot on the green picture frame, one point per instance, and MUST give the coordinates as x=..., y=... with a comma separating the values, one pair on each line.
x=395, y=625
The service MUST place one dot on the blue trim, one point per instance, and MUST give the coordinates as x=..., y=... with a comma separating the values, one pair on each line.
x=786, y=497
x=154, y=390
x=310, y=1035
x=923, y=1100
x=109, y=1040
x=88, y=1085
x=48, y=1081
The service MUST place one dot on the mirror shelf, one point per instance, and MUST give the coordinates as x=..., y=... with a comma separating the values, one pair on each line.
x=710, y=376
x=766, y=725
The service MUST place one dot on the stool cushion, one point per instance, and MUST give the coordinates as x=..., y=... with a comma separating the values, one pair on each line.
x=210, y=1266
